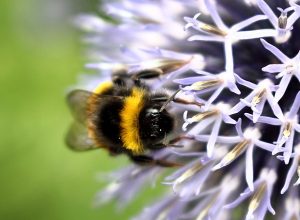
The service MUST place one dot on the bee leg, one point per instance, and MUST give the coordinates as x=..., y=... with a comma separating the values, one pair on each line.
x=186, y=102
x=171, y=143
x=179, y=100
x=181, y=137
x=145, y=160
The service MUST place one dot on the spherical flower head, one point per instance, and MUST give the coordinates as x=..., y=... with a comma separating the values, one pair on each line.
x=237, y=66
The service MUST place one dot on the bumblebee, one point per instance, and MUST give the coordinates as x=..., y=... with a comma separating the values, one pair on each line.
x=122, y=116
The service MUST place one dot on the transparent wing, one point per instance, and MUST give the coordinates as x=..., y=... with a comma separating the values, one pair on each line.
x=77, y=138
x=77, y=101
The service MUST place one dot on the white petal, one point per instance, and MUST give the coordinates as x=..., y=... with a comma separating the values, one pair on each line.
x=274, y=50
x=264, y=7
x=283, y=86
x=249, y=167
x=290, y=175
x=248, y=22
x=211, y=7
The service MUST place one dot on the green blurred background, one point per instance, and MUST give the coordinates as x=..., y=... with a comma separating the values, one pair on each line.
x=40, y=56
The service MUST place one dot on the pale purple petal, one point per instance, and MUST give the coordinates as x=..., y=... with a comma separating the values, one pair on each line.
x=238, y=128
x=191, y=80
x=213, y=137
x=274, y=68
x=199, y=127
x=214, y=14
x=265, y=119
x=248, y=22
x=264, y=145
x=246, y=35
x=290, y=175
x=292, y=19
x=227, y=119
x=275, y=106
x=245, y=83
x=228, y=56
x=205, y=38
x=285, y=81
x=249, y=167
x=289, y=147
x=264, y=7
x=274, y=50
x=295, y=107
x=220, y=139
x=239, y=106
x=213, y=97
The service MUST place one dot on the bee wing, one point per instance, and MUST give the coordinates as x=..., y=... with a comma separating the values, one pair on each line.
x=77, y=138
x=77, y=101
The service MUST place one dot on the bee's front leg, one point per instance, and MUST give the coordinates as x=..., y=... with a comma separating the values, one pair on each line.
x=179, y=100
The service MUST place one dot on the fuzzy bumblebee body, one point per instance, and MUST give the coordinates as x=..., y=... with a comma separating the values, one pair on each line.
x=119, y=118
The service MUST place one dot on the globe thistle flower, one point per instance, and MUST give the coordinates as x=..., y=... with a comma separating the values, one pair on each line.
x=239, y=62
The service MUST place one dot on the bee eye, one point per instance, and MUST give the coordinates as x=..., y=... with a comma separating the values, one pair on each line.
x=118, y=81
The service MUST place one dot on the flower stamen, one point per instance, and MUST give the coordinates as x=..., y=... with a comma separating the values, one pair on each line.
x=257, y=198
x=189, y=173
x=287, y=130
x=205, y=211
x=282, y=20
x=258, y=97
x=212, y=29
x=233, y=154
x=198, y=86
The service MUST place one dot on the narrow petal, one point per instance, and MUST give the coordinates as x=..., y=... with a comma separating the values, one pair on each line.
x=292, y=19
x=191, y=80
x=264, y=7
x=283, y=86
x=249, y=167
x=205, y=38
x=290, y=175
x=264, y=145
x=228, y=120
x=246, y=35
x=213, y=137
x=247, y=22
x=238, y=127
x=295, y=107
x=274, y=50
x=265, y=119
x=220, y=139
x=214, y=96
x=211, y=7
x=199, y=127
x=228, y=56
x=289, y=147
x=275, y=106
x=245, y=83
x=239, y=106
x=274, y=68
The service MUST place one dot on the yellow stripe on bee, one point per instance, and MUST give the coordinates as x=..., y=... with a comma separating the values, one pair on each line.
x=133, y=105
x=100, y=89
x=103, y=87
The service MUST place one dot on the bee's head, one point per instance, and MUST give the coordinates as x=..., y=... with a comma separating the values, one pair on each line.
x=154, y=125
